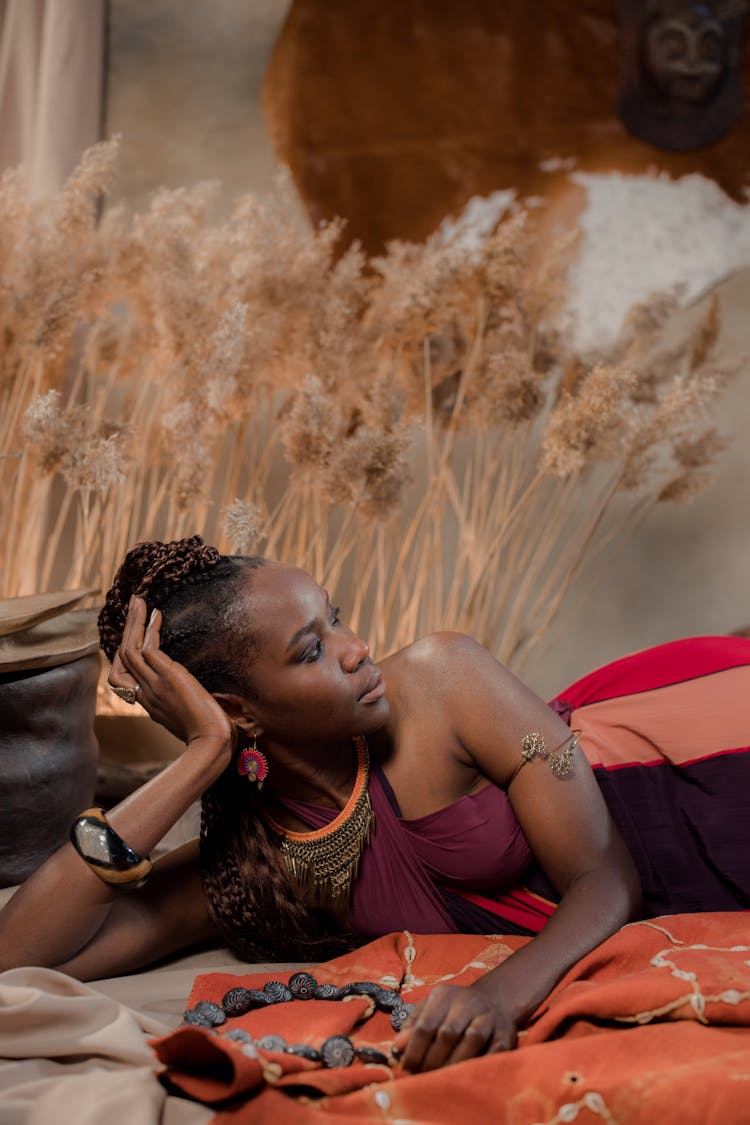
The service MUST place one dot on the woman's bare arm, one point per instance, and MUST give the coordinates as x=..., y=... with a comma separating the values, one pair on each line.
x=571, y=834
x=64, y=916
x=167, y=915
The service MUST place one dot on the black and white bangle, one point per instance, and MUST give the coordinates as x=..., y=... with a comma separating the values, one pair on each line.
x=106, y=854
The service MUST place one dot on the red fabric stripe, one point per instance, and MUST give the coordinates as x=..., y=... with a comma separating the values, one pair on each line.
x=517, y=905
x=666, y=762
x=657, y=667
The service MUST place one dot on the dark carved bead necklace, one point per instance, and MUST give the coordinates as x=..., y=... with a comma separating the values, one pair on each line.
x=336, y=1051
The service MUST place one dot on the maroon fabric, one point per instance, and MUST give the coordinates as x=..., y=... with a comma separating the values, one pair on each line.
x=474, y=843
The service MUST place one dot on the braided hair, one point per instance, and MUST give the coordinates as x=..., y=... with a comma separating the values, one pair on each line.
x=200, y=594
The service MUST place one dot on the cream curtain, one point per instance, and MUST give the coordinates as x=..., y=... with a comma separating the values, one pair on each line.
x=51, y=85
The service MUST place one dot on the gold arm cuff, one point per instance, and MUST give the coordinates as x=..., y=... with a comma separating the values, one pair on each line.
x=560, y=759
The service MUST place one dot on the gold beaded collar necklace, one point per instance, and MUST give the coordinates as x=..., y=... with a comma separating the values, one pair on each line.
x=324, y=863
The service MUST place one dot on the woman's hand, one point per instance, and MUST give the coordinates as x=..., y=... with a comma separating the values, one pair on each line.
x=455, y=1023
x=167, y=691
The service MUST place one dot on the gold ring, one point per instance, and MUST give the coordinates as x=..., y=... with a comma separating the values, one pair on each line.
x=127, y=694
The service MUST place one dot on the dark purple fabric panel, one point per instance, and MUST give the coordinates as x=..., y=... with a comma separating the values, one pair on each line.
x=467, y=916
x=688, y=831
x=392, y=890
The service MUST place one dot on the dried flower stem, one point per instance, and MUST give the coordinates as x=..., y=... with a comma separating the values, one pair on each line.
x=307, y=391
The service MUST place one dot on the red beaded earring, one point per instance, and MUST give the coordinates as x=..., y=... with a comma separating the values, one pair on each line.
x=253, y=764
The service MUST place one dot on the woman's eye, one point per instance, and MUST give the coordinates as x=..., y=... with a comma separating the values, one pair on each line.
x=312, y=654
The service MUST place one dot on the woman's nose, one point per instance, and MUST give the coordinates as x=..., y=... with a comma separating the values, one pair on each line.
x=355, y=652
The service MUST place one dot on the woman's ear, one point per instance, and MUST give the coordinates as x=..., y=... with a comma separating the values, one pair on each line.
x=240, y=712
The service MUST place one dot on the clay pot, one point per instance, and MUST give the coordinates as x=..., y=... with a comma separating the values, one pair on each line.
x=48, y=750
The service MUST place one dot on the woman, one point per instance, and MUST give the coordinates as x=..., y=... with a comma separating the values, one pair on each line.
x=467, y=772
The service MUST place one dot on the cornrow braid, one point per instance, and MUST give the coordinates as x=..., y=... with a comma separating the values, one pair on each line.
x=147, y=571
x=200, y=594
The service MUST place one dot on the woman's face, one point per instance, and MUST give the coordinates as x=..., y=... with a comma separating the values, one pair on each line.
x=314, y=677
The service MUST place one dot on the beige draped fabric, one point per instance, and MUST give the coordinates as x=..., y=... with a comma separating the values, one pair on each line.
x=51, y=85
x=70, y=1052
x=79, y=1053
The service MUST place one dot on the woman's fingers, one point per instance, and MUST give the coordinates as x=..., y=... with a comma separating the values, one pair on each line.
x=121, y=677
x=165, y=688
x=152, y=635
x=437, y=1030
x=504, y=1039
x=132, y=635
x=475, y=1040
x=451, y=1025
x=140, y=642
x=118, y=672
x=135, y=623
x=130, y=671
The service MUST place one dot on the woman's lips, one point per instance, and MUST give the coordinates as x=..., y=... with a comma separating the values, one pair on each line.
x=375, y=690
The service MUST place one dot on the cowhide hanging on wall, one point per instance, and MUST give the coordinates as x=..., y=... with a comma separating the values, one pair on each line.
x=394, y=113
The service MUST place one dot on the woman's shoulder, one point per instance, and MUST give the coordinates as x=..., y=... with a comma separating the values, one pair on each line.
x=435, y=660
x=433, y=648
x=452, y=676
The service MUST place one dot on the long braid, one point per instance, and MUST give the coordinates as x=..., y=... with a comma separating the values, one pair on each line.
x=247, y=887
x=237, y=852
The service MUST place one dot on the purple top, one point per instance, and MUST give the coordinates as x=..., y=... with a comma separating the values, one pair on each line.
x=474, y=844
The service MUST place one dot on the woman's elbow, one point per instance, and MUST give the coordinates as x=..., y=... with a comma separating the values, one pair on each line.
x=626, y=887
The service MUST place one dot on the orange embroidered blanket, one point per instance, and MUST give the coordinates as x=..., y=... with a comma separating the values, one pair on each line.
x=654, y=1025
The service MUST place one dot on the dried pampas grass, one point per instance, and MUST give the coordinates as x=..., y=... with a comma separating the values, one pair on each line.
x=412, y=429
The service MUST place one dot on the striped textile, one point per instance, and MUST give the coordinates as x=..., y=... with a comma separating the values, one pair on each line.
x=667, y=732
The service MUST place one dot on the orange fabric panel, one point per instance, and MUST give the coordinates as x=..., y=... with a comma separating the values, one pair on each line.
x=654, y=1025
x=679, y=723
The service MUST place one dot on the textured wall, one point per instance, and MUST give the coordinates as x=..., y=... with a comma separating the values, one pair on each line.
x=183, y=90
